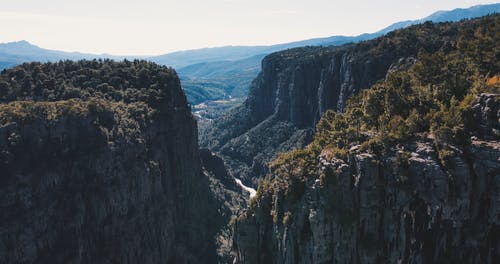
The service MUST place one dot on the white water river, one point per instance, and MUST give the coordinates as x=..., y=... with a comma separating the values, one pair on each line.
x=252, y=191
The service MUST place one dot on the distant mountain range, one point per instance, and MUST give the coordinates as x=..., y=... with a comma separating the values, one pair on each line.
x=183, y=58
x=237, y=66
x=14, y=53
x=228, y=69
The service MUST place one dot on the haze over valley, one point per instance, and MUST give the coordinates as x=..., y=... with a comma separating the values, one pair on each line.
x=222, y=73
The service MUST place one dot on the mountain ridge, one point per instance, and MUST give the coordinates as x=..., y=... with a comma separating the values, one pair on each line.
x=232, y=53
x=439, y=16
x=252, y=70
x=208, y=65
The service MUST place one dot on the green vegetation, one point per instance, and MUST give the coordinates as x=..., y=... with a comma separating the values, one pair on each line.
x=211, y=110
x=128, y=81
x=117, y=98
x=432, y=98
x=199, y=91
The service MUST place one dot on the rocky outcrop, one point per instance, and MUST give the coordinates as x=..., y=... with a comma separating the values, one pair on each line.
x=296, y=86
x=487, y=111
x=93, y=179
x=404, y=207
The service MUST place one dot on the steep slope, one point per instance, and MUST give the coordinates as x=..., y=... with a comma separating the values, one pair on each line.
x=296, y=86
x=230, y=201
x=371, y=209
x=100, y=164
x=408, y=173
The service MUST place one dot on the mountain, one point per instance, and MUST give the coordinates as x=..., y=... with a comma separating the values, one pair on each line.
x=100, y=164
x=297, y=86
x=15, y=53
x=383, y=151
x=214, y=61
x=182, y=59
x=228, y=70
x=408, y=172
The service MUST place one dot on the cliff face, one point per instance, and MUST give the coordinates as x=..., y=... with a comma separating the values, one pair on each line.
x=96, y=180
x=296, y=86
x=398, y=208
x=408, y=173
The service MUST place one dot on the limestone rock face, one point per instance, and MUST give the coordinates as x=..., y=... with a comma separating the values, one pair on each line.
x=487, y=111
x=296, y=86
x=405, y=207
x=99, y=181
x=286, y=101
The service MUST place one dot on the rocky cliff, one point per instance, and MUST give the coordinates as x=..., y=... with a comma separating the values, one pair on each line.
x=404, y=207
x=100, y=163
x=296, y=86
x=419, y=201
x=409, y=172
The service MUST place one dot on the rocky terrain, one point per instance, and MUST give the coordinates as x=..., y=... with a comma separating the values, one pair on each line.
x=100, y=163
x=408, y=172
x=295, y=87
x=406, y=206
x=385, y=151
x=403, y=207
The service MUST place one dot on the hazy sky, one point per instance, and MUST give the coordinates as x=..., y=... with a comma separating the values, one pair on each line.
x=140, y=27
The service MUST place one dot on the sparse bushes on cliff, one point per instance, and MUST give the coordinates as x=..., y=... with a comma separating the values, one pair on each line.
x=435, y=98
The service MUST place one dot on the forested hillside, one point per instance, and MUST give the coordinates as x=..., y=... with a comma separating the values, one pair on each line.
x=408, y=172
x=297, y=86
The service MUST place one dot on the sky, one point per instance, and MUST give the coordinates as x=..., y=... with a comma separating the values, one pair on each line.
x=152, y=27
